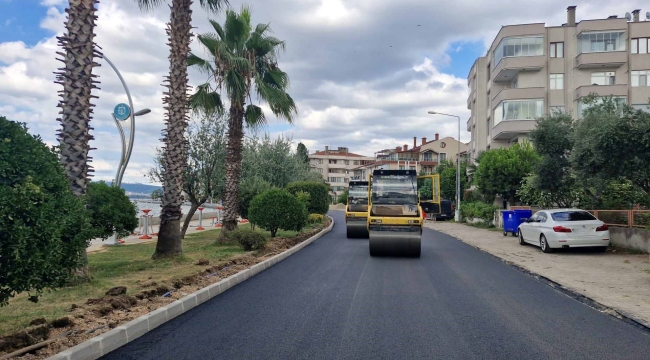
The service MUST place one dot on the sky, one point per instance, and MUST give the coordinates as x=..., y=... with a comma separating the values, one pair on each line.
x=364, y=73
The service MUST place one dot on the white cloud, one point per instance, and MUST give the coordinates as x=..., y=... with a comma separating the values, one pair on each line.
x=363, y=73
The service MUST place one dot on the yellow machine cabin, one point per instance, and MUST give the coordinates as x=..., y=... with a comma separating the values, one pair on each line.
x=356, y=211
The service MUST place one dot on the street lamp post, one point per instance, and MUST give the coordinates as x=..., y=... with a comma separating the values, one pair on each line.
x=457, y=212
x=121, y=114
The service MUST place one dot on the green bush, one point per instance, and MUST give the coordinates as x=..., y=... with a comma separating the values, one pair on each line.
x=110, y=210
x=478, y=210
x=248, y=239
x=277, y=209
x=315, y=219
x=248, y=190
x=303, y=197
x=319, y=198
x=44, y=228
x=343, y=198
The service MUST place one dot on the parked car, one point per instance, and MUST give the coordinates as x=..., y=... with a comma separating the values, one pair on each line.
x=446, y=210
x=564, y=228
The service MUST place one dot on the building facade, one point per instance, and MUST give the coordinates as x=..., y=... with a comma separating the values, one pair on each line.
x=532, y=70
x=423, y=156
x=336, y=166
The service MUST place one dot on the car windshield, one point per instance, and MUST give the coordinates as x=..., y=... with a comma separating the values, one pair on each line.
x=394, y=190
x=572, y=216
x=358, y=198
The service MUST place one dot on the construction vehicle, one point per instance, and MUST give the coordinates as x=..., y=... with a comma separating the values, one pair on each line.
x=356, y=211
x=395, y=213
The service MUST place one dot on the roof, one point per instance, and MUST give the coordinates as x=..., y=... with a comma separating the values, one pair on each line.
x=336, y=152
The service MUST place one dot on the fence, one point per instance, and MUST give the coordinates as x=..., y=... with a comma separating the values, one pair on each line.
x=624, y=218
x=621, y=218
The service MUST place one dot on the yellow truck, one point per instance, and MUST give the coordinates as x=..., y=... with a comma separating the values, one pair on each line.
x=395, y=215
x=356, y=211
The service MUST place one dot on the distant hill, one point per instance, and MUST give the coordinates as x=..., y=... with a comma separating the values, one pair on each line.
x=138, y=188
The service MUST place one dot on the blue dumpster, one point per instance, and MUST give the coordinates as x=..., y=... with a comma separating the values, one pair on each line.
x=510, y=222
x=523, y=215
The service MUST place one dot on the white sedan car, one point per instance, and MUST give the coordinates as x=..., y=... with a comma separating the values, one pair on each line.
x=564, y=228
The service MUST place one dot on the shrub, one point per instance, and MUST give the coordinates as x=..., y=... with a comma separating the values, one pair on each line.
x=315, y=219
x=277, y=209
x=303, y=197
x=44, y=228
x=248, y=239
x=248, y=190
x=319, y=199
x=478, y=210
x=343, y=198
x=110, y=210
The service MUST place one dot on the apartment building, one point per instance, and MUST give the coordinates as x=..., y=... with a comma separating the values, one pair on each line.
x=422, y=157
x=336, y=166
x=532, y=69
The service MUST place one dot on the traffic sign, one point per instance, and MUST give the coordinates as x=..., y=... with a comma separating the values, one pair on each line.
x=122, y=111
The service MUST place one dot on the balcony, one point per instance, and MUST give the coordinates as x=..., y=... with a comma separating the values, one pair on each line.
x=508, y=68
x=518, y=94
x=469, y=124
x=507, y=129
x=601, y=90
x=605, y=59
x=471, y=98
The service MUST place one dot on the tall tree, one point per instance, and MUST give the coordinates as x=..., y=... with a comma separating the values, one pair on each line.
x=76, y=77
x=447, y=171
x=241, y=58
x=176, y=101
x=500, y=171
x=204, y=173
x=302, y=152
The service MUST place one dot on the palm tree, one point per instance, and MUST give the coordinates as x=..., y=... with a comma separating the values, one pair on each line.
x=241, y=59
x=76, y=77
x=176, y=100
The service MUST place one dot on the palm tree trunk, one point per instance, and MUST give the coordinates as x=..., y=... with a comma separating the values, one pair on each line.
x=233, y=165
x=76, y=77
x=174, y=159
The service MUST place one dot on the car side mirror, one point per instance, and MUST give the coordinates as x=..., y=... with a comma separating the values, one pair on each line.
x=529, y=220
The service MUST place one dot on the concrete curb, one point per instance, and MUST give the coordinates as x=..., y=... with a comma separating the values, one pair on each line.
x=568, y=291
x=103, y=344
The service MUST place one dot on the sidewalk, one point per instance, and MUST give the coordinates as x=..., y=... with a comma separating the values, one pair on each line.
x=618, y=281
x=98, y=244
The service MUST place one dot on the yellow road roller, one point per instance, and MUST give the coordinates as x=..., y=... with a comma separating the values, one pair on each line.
x=356, y=212
x=395, y=218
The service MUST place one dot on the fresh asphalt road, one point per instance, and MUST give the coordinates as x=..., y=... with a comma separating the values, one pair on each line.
x=332, y=300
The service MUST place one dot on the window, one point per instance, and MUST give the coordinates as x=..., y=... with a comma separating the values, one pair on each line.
x=518, y=46
x=639, y=46
x=427, y=156
x=442, y=157
x=411, y=167
x=515, y=83
x=319, y=161
x=582, y=107
x=320, y=171
x=557, y=81
x=401, y=167
x=356, y=162
x=640, y=77
x=518, y=110
x=332, y=161
x=642, y=107
x=347, y=162
x=556, y=109
x=591, y=42
x=603, y=78
x=572, y=216
x=556, y=50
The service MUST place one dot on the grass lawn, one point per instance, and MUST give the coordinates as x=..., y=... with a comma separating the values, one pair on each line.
x=121, y=266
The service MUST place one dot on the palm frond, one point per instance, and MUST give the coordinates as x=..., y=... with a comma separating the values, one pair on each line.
x=213, y=5
x=205, y=100
x=235, y=85
x=281, y=104
x=237, y=29
x=254, y=117
x=218, y=29
x=203, y=66
x=148, y=5
x=278, y=78
x=210, y=42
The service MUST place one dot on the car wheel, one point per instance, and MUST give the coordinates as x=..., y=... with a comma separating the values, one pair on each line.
x=521, y=238
x=544, y=244
x=505, y=233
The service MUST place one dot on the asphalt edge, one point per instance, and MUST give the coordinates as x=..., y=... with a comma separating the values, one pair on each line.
x=103, y=344
x=608, y=310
